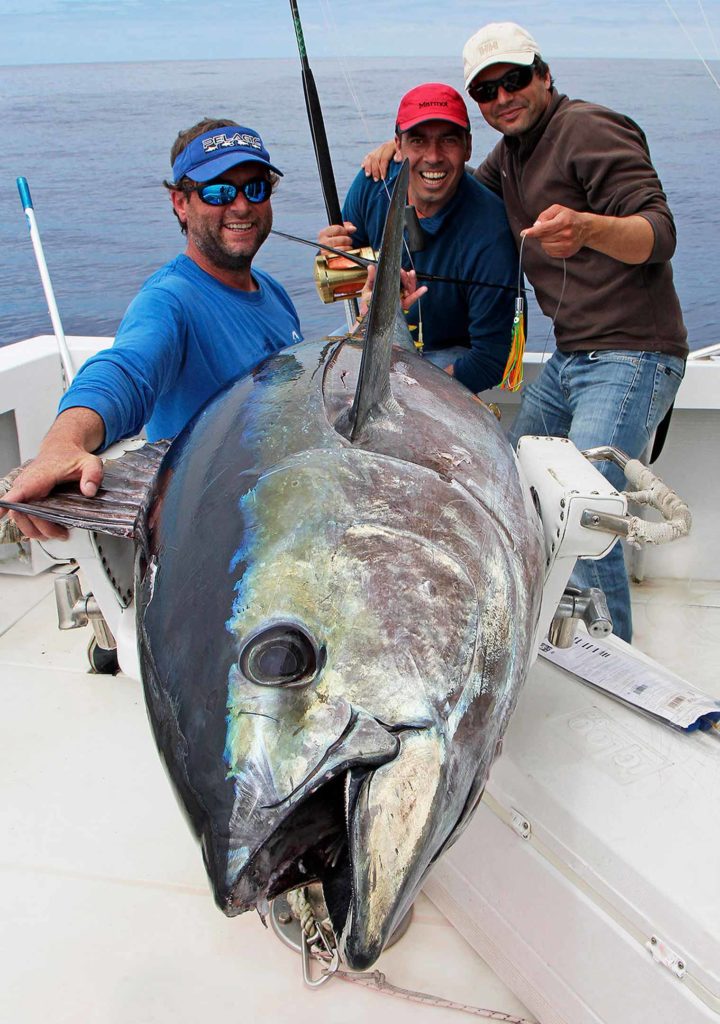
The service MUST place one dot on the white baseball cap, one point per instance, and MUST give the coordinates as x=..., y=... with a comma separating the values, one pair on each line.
x=500, y=42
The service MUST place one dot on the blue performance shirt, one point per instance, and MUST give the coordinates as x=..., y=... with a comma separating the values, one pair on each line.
x=469, y=238
x=184, y=336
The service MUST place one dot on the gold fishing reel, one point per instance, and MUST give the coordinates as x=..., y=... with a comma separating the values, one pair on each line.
x=337, y=277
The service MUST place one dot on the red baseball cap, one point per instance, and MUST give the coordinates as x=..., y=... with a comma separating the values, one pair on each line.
x=432, y=101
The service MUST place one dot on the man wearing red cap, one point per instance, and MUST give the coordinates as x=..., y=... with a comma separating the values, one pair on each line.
x=466, y=328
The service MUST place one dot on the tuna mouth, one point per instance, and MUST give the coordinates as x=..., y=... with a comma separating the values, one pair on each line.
x=305, y=836
x=326, y=837
x=309, y=845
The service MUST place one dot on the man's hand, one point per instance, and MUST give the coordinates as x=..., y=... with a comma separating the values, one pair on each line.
x=64, y=455
x=561, y=232
x=409, y=291
x=376, y=162
x=338, y=236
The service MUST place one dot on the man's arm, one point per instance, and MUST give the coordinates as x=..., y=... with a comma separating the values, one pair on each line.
x=628, y=217
x=112, y=397
x=490, y=315
x=65, y=454
x=375, y=163
x=562, y=232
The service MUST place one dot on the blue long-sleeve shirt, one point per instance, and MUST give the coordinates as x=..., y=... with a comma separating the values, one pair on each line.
x=184, y=336
x=470, y=239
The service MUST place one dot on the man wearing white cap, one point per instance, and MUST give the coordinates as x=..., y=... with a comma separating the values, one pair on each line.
x=585, y=201
x=204, y=319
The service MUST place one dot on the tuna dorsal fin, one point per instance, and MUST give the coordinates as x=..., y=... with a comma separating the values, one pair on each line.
x=116, y=508
x=373, y=388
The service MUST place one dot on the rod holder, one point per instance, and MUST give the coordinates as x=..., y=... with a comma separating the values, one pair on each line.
x=76, y=610
x=589, y=606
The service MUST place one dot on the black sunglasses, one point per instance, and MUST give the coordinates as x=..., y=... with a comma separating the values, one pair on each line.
x=222, y=193
x=511, y=81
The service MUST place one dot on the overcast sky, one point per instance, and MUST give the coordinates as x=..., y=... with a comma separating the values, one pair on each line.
x=60, y=31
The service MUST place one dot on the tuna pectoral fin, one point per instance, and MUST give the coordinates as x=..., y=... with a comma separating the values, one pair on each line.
x=115, y=509
x=373, y=388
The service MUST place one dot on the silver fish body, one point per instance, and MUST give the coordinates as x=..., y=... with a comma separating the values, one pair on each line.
x=338, y=580
x=334, y=634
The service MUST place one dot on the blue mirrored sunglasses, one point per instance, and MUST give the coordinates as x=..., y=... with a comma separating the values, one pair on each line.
x=222, y=193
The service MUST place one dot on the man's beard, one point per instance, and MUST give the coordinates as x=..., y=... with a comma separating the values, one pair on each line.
x=213, y=251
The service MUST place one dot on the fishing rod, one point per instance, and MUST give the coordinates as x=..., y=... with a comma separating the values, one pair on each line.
x=367, y=261
x=319, y=138
x=317, y=125
x=27, y=205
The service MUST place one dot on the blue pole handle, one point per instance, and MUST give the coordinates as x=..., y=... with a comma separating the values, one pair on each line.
x=24, y=190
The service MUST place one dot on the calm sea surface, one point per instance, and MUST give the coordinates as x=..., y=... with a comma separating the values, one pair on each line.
x=93, y=141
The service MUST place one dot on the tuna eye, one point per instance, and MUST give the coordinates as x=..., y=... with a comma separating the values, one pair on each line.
x=279, y=656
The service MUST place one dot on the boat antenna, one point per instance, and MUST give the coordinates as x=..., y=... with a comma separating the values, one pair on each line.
x=27, y=204
x=319, y=138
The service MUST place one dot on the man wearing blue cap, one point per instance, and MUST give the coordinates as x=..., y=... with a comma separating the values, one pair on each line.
x=205, y=318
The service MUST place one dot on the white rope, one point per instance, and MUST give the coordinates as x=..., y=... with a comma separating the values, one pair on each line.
x=650, y=490
x=303, y=910
x=9, y=531
x=377, y=980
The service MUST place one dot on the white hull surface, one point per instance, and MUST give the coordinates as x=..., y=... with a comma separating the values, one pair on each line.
x=106, y=912
x=607, y=907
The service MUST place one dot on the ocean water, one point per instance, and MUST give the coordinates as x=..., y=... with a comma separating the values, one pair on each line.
x=93, y=141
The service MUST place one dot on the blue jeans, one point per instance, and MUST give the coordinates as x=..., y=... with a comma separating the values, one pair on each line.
x=443, y=357
x=597, y=398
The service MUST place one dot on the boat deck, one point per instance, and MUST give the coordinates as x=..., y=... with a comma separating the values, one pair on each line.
x=106, y=914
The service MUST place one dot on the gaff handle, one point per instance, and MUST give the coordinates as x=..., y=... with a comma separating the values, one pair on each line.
x=24, y=190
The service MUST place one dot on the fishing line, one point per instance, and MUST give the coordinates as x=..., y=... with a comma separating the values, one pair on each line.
x=361, y=261
x=692, y=42
x=331, y=25
x=551, y=329
x=708, y=27
x=342, y=61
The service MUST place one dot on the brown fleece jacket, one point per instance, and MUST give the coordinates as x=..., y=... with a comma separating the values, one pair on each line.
x=589, y=158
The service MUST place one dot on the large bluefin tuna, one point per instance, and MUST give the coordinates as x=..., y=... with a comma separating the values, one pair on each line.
x=339, y=576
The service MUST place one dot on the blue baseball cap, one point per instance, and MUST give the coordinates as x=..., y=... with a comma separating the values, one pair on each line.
x=214, y=152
